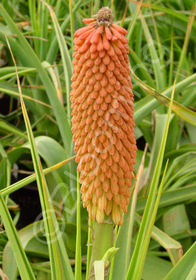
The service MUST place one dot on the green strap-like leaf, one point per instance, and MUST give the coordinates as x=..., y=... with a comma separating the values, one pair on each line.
x=185, y=268
x=67, y=65
x=146, y=105
x=28, y=57
x=24, y=267
x=143, y=238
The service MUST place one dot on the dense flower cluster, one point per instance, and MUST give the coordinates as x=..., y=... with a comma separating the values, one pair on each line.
x=102, y=117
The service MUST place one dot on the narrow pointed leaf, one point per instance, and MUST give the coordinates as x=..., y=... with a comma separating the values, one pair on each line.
x=67, y=65
x=60, y=266
x=143, y=238
x=24, y=267
x=186, y=267
x=23, y=48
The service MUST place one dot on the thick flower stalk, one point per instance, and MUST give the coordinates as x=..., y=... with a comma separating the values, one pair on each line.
x=102, y=117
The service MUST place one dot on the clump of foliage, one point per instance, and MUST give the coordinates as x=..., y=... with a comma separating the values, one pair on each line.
x=157, y=238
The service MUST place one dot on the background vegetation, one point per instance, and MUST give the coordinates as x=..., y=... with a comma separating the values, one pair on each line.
x=39, y=196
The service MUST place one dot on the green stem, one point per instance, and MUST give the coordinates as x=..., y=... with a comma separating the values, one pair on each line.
x=78, y=235
x=71, y=24
x=89, y=247
x=112, y=262
x=103, y=235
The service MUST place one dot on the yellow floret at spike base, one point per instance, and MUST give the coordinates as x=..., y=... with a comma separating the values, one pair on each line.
x=102, y=117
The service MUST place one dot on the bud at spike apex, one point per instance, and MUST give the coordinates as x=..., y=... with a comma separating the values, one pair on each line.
x=102, y=117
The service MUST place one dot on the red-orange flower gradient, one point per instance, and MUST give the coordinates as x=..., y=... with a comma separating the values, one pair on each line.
x=102, y=122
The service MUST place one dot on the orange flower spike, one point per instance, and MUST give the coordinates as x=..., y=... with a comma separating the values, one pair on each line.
x=102, y=117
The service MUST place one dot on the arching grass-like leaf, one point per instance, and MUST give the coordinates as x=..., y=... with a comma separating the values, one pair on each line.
x=186, y=267
x=60, y=266
x=28, y=57
x=24, y=267
x=143, y=238
x=67, y=65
